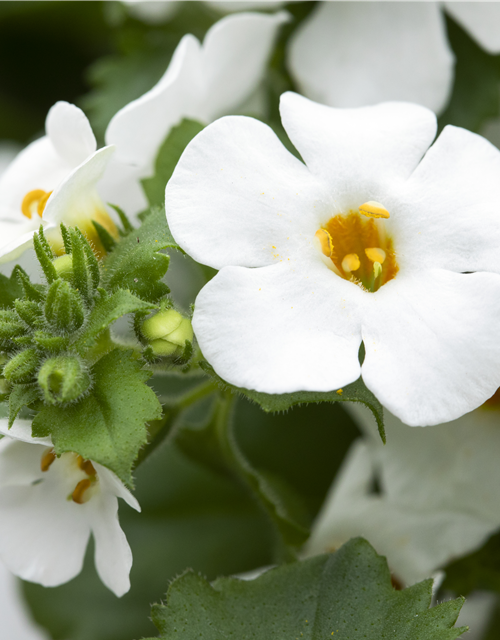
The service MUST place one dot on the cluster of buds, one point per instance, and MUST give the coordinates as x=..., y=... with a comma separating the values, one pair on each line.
x=168, y=334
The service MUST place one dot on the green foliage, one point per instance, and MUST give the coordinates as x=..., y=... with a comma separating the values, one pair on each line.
x=21, y=395
x=168, y=156
x=137, y=264
x=109, y=425
x=354, y=392
x=10, y=289
x=348, y=593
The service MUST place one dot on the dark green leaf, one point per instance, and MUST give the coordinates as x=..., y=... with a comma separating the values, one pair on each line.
x=347, y=595
x=109, y=425
x=107, y=240
x=168, y=156
x=10, y=289
x=22, y=395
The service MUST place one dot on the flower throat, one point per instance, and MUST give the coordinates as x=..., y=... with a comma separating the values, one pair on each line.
x=359, y=248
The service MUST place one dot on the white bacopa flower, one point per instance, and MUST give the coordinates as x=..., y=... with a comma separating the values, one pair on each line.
x=365, y=242
x=351, y=54
x=62, y=178
x=49, y=507
x=202, y=82
x=438, y=496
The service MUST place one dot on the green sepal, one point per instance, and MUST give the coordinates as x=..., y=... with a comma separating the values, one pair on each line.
x=345, y=595
x=50, y=342
x=108, y=425
x=354, y=392
x=21, y=395
x=22, y=367
x=63, y=307
x=83, y=277
x=167, y=159
x=30, y=312
x=45, y=256
x=63, y=379
x=32, y=291
x=107, y=240
x=66, y=236
x=10, y=328
x=10, y=289
x=126, y=224
x=44, y=242
x=137, y=264
x=23, y=341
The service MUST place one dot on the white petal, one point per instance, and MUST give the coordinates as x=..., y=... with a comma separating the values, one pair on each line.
x=447, y=214
x=281, y=328
x=8, y=152
x=139, y=129
x=152, y=12
x=21, y=430
x=43, y=536
x=237, y=194
x=110, y=483
x=70, y=132
x=230, y=72
x=481, y=20
x=244, y=5
x=113, y=557
x=120, y=185
x=359, y=153
x=19, y=462
x=351, y=54
x=15, y=238
x=431, y=341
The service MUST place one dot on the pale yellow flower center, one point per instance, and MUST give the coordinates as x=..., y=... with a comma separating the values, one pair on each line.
x=83, y=490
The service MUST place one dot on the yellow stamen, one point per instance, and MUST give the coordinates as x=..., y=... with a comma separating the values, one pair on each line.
x=326, y=242
x=373, y=209
x=351, y=262
x=80, y=494
x=86, y=466
x=376, y=255
x=34, y=202
x=47, y=459
x=377, y=269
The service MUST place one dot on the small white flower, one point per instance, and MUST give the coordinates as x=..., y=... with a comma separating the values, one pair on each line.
x=202, y=82
x=351, y=54
x=307, y=273
x=438, y=495
x=49, y=507
x=55, y=179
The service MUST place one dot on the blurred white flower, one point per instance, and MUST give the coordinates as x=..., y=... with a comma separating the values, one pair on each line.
x=351, y=54
x=62, y=178
x=49, y=507
x=307, y=274
x=202, y=82
x=438, y=496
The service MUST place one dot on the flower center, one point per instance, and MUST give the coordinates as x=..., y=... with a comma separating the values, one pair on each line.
x=34, y=202
x=85, y=487
x=359, y=247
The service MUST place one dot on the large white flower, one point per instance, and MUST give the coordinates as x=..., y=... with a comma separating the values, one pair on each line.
x=350, y=54
x=49, y=507
x=305, y=276
x=438, y=495
x=202, y=82
x=62, y=177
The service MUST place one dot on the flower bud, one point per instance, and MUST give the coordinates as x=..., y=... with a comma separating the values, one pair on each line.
x=63, y=379
x=63, y=307
x=30, y=312
x=22, y=367
x=167, y=332
x=64, y=267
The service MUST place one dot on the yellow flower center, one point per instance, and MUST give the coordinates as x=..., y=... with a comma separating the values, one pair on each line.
x=359, y=247
x=34, y=202
x=83, y=489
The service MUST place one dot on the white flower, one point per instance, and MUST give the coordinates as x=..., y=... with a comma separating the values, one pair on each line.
x=202, y=82
x=49, y=507
x=305, y=277
x=350, y=54
x=156, y=11
x=438, y=495
x=55, y=179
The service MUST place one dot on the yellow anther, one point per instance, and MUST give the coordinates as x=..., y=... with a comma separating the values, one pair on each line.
x=326, y=242
x=80, y=494
x=376, y=255
x=47, y=459
x=340, y=392
x=373, y=209
x=34, y=202
x=351, y=262
x=86, y=466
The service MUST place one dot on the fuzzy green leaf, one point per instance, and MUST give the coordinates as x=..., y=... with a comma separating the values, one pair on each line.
x=21, y=396
x=168, y=156
x=109, y=425
x=10, y=289
x=345, y=595
x=354, y=392
x=137, y=264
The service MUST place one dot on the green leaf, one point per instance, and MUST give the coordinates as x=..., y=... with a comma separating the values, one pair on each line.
x=106, y=310
x=109, y=425
x=137, y=264
x=10, y=289
x=354, y=392
x=168, y=156
x=21, y=396
x=347, y=595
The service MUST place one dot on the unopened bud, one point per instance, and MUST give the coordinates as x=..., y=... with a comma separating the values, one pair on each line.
x=63, y=307
x=167, y=332
x=22, y=367
x=30, y=312
x=63, y=379
x=64, y=267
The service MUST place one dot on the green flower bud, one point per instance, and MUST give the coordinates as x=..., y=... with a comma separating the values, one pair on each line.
x=63, y=307
x=63, y=379
x=22, y=367
x=167, y=332
x=10, y=325
x=30, y=312
x=64, y=267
